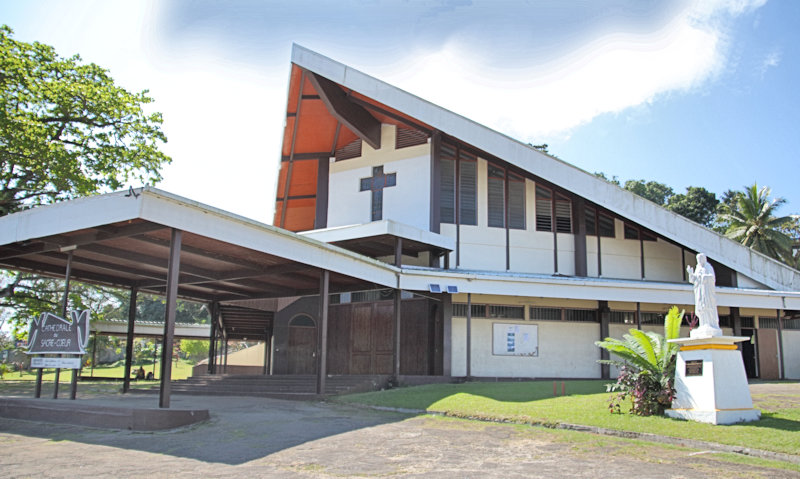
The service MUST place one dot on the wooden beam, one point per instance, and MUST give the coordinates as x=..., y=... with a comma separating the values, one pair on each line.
x=126, y=380
x=355, y=117
x=322, y=343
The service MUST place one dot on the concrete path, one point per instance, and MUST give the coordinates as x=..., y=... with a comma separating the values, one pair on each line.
x=250, y=437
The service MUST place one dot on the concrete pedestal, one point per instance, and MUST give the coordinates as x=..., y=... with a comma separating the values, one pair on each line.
x=711, y=382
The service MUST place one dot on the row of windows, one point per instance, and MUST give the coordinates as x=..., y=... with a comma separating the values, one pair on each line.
x=458, y=196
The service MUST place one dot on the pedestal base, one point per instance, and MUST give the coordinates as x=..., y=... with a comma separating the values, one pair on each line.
x=711, y=383
x=715, y=417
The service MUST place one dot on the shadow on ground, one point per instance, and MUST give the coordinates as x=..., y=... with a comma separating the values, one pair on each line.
x=240, y=429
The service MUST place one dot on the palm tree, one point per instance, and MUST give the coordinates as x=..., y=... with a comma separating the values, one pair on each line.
x=751, y=221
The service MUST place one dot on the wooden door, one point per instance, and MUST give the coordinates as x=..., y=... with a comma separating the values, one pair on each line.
x=371, y=338
x=302, y=350
x=767, y=353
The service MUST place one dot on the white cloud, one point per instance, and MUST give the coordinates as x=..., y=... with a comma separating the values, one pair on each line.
x=772, y=60
x=610, y=73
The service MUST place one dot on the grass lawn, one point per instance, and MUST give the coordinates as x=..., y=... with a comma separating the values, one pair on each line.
x=180, y=370
x=586, y=403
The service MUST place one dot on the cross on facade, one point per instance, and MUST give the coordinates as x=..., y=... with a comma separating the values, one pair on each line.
x=376, y=183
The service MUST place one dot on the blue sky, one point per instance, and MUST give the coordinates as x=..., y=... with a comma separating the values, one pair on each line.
x=685, y=93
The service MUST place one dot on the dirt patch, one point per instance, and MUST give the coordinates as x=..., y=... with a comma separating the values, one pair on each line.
x=777, y=395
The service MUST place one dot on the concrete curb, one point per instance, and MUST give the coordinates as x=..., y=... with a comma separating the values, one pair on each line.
x=644, y=436
x=92, y=415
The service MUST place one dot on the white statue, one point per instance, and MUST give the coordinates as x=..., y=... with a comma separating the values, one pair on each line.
x=705, y=303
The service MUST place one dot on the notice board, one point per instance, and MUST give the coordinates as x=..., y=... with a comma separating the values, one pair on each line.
x=510, y=339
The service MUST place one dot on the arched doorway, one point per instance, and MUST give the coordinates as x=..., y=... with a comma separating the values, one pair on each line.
x=302, y=345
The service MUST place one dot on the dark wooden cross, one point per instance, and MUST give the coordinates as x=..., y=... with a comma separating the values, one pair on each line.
x=376, y=183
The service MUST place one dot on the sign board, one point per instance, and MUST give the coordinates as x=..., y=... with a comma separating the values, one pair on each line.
x=51, y=334
x=515, y=339
x=57, y=363
x=694, y=368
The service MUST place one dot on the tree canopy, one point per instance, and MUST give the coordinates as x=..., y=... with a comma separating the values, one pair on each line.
x=67, y=130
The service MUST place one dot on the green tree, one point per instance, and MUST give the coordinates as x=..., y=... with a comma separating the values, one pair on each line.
x=195, y=349
x=751, y=221
x=67, y=129
x=698, y=205
x=654, y=191
x=647, y=366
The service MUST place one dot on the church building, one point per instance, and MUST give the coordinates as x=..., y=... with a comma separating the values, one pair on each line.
x=513, y=263
x=410, y=241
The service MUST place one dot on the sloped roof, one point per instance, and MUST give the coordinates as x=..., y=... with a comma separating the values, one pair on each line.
x=757, y=266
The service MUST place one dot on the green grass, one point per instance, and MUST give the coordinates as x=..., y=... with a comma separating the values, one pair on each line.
x=586, y=403
x=181, y=370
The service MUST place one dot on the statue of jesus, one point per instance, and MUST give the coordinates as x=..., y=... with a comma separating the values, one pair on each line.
x=705, y=303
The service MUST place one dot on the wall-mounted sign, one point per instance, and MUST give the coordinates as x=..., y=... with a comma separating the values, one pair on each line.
x=515, y=339
x=51, y=334
x=694, y=367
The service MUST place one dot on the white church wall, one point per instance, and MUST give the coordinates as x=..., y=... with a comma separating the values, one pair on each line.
x=566, y=350
x=408, y=202
x=791, y=354
x=748, y=283
x=483, y=248
x=591, y=256
x=662, y=261
x=531, y=251
x=566, y=254
x=620, y=258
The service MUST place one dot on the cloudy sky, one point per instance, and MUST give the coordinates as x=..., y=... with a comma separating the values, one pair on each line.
x=686, y=93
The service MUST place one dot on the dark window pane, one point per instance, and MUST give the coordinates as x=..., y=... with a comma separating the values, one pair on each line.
x=590, y=220
x=563, y=216
x=544, y=209
x=631, y=232
x=447, y=191
x=468, y=193
x=605, y=225
x=545, y=314
x=516, y=202
x=495, y=202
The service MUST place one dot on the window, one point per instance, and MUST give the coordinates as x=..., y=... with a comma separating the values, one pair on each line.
x=545, y=314
x=590, y=220
x=791, y=324
x=563, y=214
x=581, y=315
x=510, y=312
x=635, y=233
x=652, y=318
x=406, y=137
x=496, y=183
x=452, y=161
x=767, y=323
x=747, y=321
x=544, y=209
x=350, y=150
x=468, y=189
x=623, y=317
x=605, y=225
x=516, y=201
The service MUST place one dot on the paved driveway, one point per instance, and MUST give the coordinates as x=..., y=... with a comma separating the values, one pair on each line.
x=250, y=437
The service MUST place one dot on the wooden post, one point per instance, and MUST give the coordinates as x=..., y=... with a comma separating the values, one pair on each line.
x=322, y=342
x=173, y=271
x=64, y=305
x=469, y=335
x=605, y=315
x=638, y=315
x=126, y=382
x=780, y=343
x=397, y=339
x=212, y=338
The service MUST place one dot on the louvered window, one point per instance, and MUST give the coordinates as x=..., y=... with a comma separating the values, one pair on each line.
x=631, y=232
x=590, y=220
x=605, y=225
x=350, y=150
x=406, y=137
x=468, y=189
x=544, y=209
x=447, y=189
x=516, y=202
x=496, y=188
x=563, y=214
